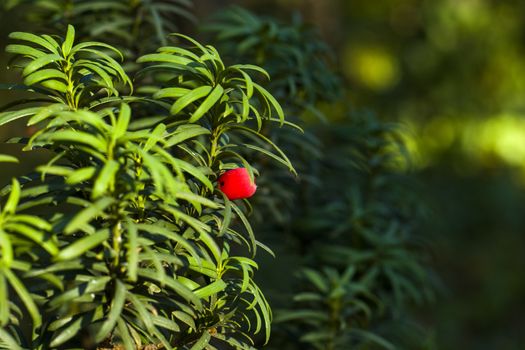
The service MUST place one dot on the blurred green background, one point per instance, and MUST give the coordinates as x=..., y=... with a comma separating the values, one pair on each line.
x=453, y=72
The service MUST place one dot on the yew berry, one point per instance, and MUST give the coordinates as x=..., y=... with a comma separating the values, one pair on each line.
x=236, y=184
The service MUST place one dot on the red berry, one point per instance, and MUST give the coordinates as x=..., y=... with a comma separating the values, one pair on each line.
x=236, y=184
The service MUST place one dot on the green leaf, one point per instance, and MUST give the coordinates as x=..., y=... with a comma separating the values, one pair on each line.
x=291, y=315
x=110, y=62
x=196, y=200
x=186, y=132
x=179, y=51
x=8, y=340
x=214, y=96
x=252, y=67
x=7, y=248
x=265, y=248
x=124, y=334
x=156, y=264
x=246, y=223
x=70, y=331
x=122, y=121
x=203, y=341
x=82, y=245
x=24, y=50
x=45, y=112
x=196, y=224
x=75, y=137
x=93, y=285
x=169, y=234
x=80, y=175
x=273, y=102
x=87, y=214
x=100, y=70
x=34, y=235
x=204, y=267
x=4, y=158
x=54, y=85
x=247, y=81
x=165, y=323
x=373, y=338
x=87, y=44
x=308, y=297
x=156, y=135
x=34, y=221
x=266, y=140
x=283, y=161
x=84, y=116
x=44, y=74
x=198, y=174
x=211, y=289
x=173, y=92
x=227, y=216
x=54, y=170
x=52, y=41
x=320, y=336
x=41, y=62
x=115, y=309
x=184, y=317
x=4, y=302
x=24, y=296
x=188, y=283
x=147, y=122
x=35, y=40
x=191, y=40
x=14, y=197
x=146, y=317
x=316, y=279
x=132, y=252
x=174, y=285
x=265, y=310
x=161, y=57
x=105, y=180
x=247, y=265
x=212, y=245
x=189, y=98
x=8, y=117
x=68, y=42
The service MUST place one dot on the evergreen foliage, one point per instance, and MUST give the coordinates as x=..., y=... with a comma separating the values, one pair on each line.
x=354, y=219
x=124, y=239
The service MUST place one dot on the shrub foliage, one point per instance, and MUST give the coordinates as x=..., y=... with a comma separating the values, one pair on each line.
x=137, y=248
x=354, y=215
x=123, y=239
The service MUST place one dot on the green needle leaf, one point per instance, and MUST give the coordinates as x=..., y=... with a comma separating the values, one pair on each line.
x=68, y=42
x=82, y=245
x=189, y=98
x=207, y=104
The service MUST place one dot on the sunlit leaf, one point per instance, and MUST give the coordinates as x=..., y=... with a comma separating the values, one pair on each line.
x=208, y=103
x=68, y=42
x=4, y=158
x=106, y=179
x=82, y=245
x=189, y=98
x=14, y=197
x=35, y=40
x=88, y=214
